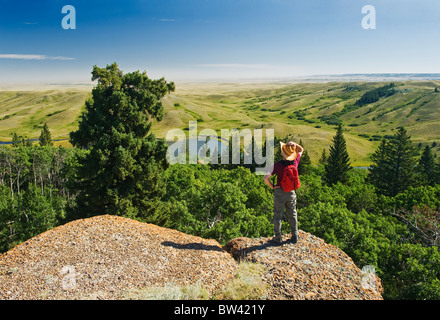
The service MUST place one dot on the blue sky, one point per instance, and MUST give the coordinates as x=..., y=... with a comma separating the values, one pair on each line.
x=216, y=39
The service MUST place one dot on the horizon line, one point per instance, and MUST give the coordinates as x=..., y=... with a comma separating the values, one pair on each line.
x=344, y=77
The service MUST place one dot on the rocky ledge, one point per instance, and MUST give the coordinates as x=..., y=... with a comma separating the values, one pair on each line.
x=110, y=257
x=308, y=270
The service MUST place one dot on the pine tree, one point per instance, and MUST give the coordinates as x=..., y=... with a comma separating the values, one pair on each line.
x=122, y=173
x=403, y=156
x=45, y=136
x=305, y=162
x=16, y=139
x=380, y=169
x=426, y=168
x=436, y=172
x=338, y=162
x=394, y=165
x=323, y=160
x=20, y=141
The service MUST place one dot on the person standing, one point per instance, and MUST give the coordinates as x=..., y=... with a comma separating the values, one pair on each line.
x=291, y=153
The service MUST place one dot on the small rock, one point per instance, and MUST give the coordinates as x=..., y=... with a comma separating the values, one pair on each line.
x=310, y=295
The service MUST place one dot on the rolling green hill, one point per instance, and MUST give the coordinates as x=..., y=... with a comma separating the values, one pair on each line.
x=307, y=111
x=25, y=112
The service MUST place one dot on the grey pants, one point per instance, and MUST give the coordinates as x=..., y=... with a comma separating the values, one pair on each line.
x=283, y=200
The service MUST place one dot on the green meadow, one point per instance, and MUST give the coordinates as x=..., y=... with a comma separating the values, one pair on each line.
x=303, y=111
x=25, y=112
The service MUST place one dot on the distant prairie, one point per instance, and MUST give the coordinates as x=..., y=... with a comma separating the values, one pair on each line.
x=306, y=111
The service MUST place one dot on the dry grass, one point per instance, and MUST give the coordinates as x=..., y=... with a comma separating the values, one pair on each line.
x=247, y=284
x=169, y=291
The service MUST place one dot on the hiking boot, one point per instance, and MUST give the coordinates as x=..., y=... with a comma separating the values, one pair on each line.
x=294, y=239
x=277, y=240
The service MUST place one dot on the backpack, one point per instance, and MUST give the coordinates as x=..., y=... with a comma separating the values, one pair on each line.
x=290, y=179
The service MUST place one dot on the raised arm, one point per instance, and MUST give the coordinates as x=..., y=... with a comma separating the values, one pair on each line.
x=299, y=149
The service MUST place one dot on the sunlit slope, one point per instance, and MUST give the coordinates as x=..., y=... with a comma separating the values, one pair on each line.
x=306, y=111
x=310, y=111
x=25, y=112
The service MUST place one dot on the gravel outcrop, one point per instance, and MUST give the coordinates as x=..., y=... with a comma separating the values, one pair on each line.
x=308, y=270
x=111, y=257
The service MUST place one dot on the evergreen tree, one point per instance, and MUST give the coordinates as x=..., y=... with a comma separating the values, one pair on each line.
x=45, y=136
x=26, y=142
x=426, y=167
x=16, y=139
x=436, y=172
x=305, y=162
x=380, y=167
x=122, y=172
x=323, y=160
x=338, y=162
x=394, y=165
x=20, y=141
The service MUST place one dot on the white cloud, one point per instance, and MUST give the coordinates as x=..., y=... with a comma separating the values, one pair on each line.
x=32, y=57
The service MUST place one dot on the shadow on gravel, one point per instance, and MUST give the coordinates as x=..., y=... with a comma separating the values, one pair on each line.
x=239, y=253
x=191, y=246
